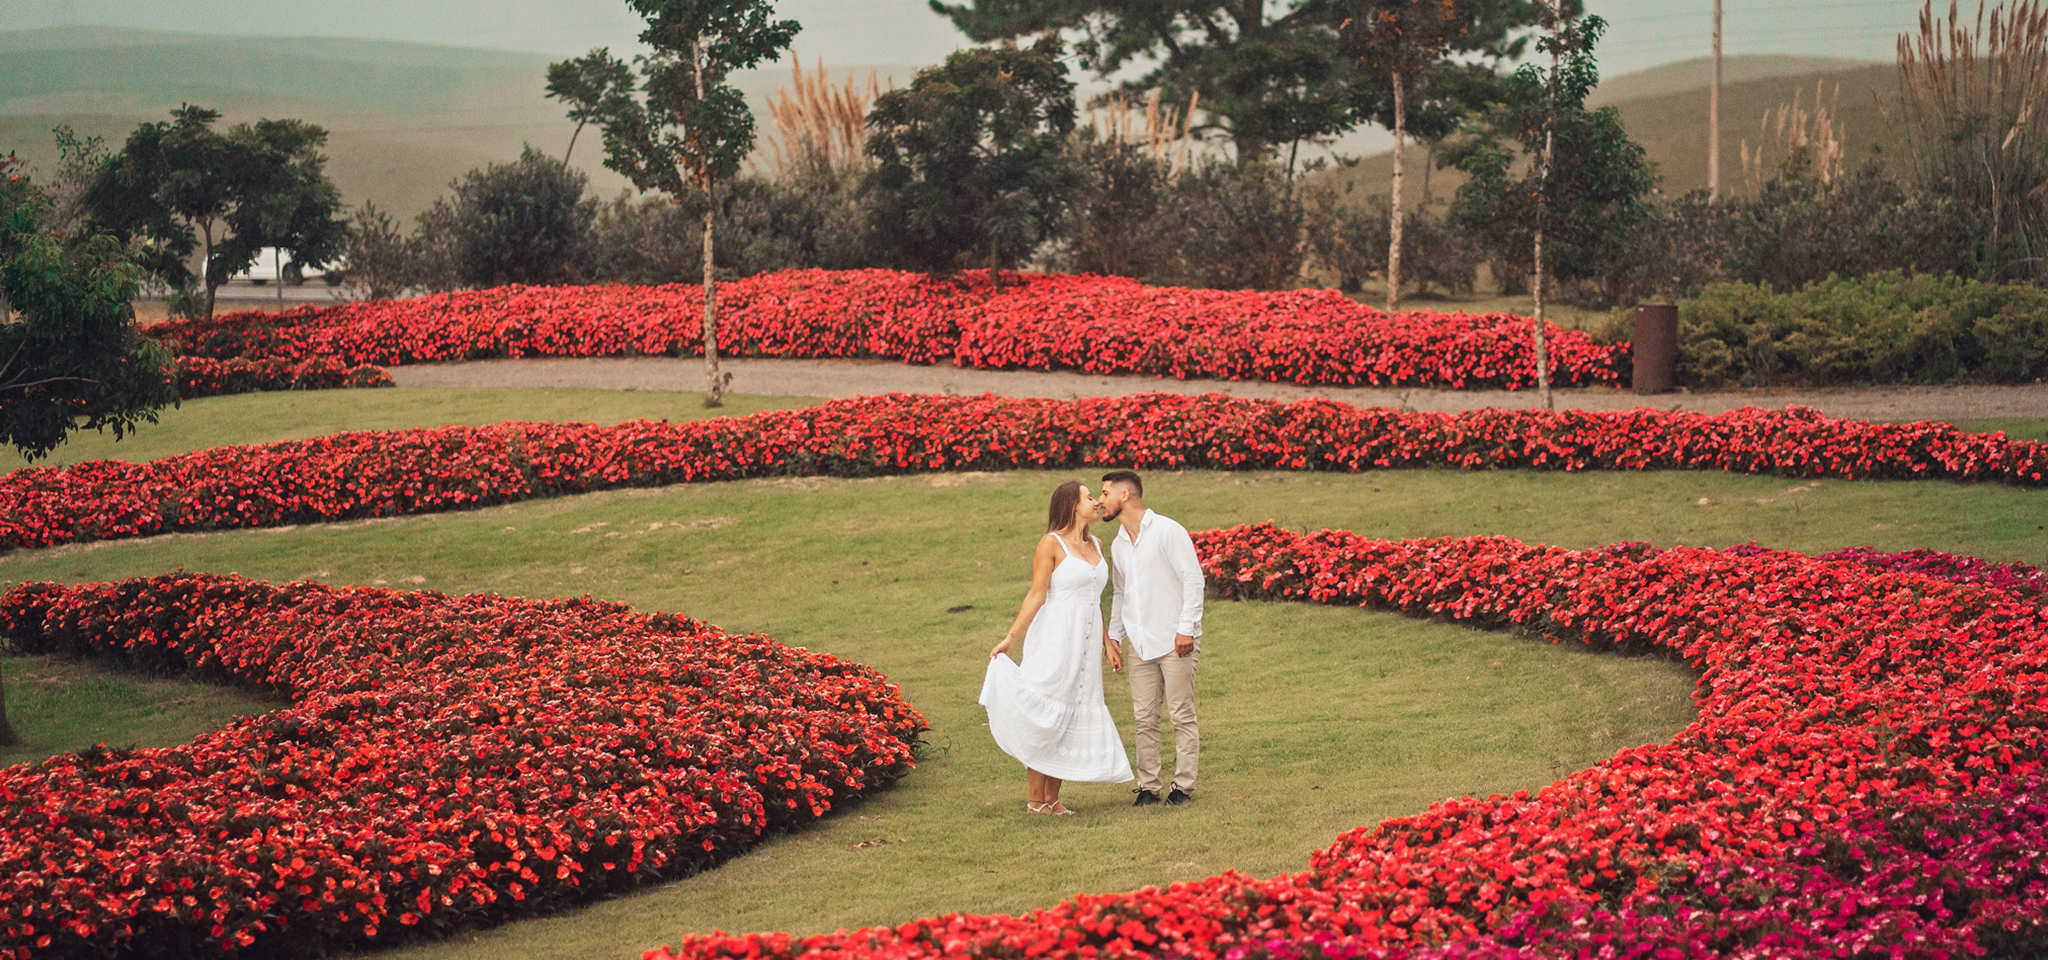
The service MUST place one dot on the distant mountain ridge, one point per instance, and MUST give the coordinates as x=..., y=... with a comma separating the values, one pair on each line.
x=404, y=118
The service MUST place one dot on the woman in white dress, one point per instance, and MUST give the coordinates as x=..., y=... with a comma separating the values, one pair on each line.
x=1049, y=712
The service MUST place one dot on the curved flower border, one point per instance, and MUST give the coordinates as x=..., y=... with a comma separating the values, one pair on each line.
x=393, y=473
x=444, y=762
x=1827, y=690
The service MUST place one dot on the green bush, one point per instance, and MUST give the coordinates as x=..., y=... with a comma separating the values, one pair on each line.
x=1890, y=327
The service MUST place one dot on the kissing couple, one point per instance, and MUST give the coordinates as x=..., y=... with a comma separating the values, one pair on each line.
x=1048, y=711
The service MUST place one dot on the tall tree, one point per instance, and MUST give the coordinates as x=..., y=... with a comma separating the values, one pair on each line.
x=1580, y=205
x=689, y=128
x=589, y=84
x=972, y=158
x=1401, y=46
x=255, y=186
x=71, y=357
x=1268, y=71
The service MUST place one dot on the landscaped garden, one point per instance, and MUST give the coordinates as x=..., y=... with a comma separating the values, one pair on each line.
x=877, y=566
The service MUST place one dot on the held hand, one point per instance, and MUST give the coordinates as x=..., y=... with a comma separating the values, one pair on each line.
x=1001, y=648
x=1183, y=644
x=1116, y=657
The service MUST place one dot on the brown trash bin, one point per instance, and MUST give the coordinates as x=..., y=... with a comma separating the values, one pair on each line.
x=1656, y=348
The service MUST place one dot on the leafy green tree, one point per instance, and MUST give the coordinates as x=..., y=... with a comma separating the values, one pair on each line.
x=255, y=186
x=972, y=157
x=1268, y=71
x=590, y=85
x=1402, y=46
x=378, y=261
x=71, y=357
x=687, y=128
x=522, y=222
x=1581, y=202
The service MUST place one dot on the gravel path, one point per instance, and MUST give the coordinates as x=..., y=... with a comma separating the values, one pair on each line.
x=847, y=378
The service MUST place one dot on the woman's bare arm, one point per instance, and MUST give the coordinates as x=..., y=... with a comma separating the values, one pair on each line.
x=1042, y=563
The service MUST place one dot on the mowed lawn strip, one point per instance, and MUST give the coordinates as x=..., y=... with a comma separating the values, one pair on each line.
x=300, y=414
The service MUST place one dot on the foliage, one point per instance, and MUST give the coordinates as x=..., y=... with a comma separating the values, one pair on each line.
x=972, y=168
x=591, y=85
x=72, y=358
x=1970, y=94
x=522, y=222
x=1112, y=216
x=378, y=261
x=1800, y=230
x=1351, y=244
x=1887, y=327
x=1592, y=201
x=421, y=471
x=797, y=221
x=1269, y=74
x=1231, y=227
x=692, y=129
x=255, y=186
x=548, y=753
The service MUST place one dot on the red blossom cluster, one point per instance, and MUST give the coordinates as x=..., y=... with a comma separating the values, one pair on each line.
x=207, y=377
x=1106, y=325
x=443, y=762
x=1826, y=690
x=351, y=475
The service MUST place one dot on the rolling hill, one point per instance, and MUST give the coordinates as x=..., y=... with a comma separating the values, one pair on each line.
x=1669, y=118
x=403, y=119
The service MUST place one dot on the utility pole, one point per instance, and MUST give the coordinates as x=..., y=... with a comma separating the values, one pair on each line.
x=1714, y=116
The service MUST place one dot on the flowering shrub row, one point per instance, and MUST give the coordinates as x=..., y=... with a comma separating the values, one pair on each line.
x=1827, y=690
x=1951, y=878
x=1105, y=325
x=208, y=377
x=2019, y=579
x=443, y=762
x=427, y=470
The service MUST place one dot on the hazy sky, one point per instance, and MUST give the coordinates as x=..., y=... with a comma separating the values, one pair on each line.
x=1644, y=33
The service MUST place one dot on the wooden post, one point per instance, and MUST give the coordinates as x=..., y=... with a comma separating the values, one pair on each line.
x=1394, y=227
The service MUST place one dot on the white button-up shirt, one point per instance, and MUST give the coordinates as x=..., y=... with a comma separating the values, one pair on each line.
x=1158, y=586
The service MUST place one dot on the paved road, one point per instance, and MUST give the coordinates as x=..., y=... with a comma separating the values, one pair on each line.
x=846, y=378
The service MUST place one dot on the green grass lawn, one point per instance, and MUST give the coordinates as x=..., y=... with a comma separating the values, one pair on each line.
x=1315, y=719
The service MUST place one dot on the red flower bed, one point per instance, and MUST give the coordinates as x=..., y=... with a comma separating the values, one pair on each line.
x=1096, y=324
x=444, y=762
x=427, y=470
x=1826, y=689
x=208, y=377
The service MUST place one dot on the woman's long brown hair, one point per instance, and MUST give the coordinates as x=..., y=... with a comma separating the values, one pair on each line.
x=1065, y=501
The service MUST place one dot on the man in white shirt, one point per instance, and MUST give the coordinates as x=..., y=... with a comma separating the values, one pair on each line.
x=1157, y=612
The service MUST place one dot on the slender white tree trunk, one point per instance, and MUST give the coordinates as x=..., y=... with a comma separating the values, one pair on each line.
x=714, y=391
x=1394, y=224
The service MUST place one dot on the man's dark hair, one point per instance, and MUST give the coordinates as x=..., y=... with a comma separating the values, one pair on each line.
x=1126, y=476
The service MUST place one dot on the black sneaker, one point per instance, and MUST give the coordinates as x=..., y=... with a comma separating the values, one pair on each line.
x=1146, y=798
x=1178, y=797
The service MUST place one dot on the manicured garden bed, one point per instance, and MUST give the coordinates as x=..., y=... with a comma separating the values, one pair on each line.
x=446, y=762
x=1100, y=325
x=379, y=474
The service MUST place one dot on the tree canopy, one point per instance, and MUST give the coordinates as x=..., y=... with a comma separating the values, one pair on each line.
x=71, y=357
x=686, y=127
x=1267, y=71
x=972, y=157
x=257, y=185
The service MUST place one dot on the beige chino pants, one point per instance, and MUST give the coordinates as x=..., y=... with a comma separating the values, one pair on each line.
x=1167, y=680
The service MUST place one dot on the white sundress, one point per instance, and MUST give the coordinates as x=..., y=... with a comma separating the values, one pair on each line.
x=1048, y=712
